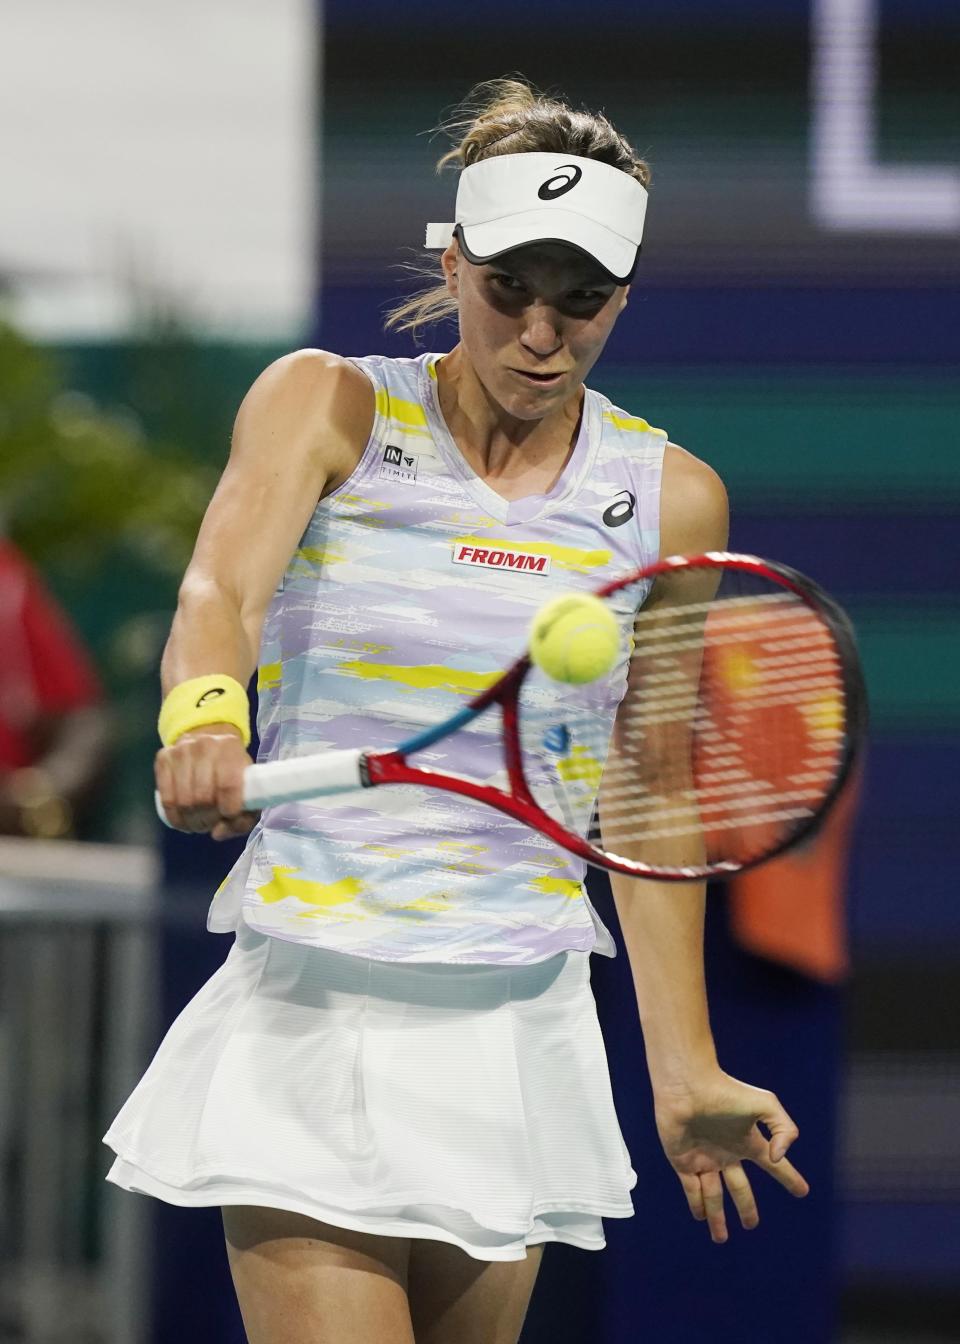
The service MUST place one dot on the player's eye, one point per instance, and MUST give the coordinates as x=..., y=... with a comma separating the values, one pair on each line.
x=509, y=283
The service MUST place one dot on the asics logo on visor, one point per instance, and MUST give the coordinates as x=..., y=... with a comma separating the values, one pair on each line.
x=549, y=192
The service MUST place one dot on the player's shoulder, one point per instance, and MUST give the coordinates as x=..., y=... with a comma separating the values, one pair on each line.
x=629, y=430
x=694, y=510
x=315, y=382
x=683, y=471
x=309, y=404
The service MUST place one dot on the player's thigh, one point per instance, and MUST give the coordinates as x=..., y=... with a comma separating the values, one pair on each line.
x=300, y=1281
x=456, y=1299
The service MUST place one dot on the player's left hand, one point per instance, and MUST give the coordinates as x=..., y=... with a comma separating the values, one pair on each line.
x=707, y=1128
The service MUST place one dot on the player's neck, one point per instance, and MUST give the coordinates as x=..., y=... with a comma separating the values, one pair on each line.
x=495, y=443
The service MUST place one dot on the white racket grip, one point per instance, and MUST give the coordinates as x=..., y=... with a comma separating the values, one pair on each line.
x=301, y=777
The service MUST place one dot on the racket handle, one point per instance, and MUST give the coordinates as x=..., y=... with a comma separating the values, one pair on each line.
x=300, y=777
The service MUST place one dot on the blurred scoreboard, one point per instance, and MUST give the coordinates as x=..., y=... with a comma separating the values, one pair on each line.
x=791, y=141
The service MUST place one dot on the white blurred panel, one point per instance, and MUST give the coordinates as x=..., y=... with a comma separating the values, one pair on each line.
x=159, y=153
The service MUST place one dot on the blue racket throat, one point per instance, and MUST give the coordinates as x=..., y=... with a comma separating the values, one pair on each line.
x=431, y=735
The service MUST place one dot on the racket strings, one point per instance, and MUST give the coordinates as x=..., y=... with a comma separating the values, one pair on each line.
x=729, y=736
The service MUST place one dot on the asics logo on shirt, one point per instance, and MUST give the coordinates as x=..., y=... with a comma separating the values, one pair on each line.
x=549, y=192
x=621, y=510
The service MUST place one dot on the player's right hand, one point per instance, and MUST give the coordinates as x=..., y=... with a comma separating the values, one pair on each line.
x=200, y=781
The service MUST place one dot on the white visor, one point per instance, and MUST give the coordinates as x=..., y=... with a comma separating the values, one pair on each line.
x=513, y=199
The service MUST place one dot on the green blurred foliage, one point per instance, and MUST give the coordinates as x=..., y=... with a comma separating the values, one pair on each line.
x=81, y=483
x=109, y=453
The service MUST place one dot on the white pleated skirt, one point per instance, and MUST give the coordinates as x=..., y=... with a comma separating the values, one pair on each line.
x=469, y=1104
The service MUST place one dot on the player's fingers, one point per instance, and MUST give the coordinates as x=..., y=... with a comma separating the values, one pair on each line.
x=200, y=779
x=712, y=1189
x=203, y=787
x=234, y=826
x=694, y=1194
x=166, y=787
x=786, y=1173
x=230, y=769
x=742, y=1195
x=197, y=784
x=783, y=1132
x=188, y=810
x=230, y=795
x=181, y=770
x=235, y=819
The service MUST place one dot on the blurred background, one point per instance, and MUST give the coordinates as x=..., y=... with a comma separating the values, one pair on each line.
x=192, y=189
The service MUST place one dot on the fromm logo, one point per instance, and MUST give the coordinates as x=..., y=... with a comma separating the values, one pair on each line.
x=489, y=558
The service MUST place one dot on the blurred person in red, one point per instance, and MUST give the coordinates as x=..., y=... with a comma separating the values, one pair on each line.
x=54, y=727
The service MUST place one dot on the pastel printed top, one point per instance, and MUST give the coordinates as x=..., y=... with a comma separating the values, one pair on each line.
x=412, y=587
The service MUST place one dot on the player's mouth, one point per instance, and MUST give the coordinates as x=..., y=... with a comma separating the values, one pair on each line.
x=540, y=379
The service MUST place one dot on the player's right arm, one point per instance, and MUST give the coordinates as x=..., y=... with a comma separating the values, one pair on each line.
x=298, y=434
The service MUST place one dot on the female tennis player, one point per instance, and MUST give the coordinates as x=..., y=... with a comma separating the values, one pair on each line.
x=395, y=1087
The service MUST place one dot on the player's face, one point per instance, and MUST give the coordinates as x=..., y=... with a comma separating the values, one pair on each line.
x=533, y=323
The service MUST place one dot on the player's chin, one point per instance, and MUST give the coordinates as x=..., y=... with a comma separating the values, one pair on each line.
x=529, y=400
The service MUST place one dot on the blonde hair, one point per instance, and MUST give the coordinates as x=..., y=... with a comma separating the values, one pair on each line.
x=510, y=116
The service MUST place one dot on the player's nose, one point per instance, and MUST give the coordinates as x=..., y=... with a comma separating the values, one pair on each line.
x=541, y=333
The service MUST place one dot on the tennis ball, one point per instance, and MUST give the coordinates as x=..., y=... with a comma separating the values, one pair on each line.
x=575, y=638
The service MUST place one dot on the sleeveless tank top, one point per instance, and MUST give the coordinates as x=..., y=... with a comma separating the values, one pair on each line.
x=412, y=587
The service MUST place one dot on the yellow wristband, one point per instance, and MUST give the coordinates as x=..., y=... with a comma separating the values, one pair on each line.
x=200, y=700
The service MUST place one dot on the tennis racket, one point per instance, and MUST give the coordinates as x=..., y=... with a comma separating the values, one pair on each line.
x=742, y=710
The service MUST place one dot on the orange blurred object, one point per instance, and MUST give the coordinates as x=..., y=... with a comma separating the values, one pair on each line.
x=793, y=909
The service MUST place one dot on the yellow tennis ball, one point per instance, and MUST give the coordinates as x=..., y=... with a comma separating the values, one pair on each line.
x=575, y=638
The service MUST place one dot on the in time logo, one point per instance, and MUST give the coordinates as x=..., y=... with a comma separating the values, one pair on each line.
x=496, y=557
x=398, y=465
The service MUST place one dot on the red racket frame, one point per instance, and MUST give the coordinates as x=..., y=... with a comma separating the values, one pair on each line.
x=392, y=767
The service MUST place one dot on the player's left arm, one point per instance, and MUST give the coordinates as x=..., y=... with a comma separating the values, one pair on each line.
x=662, y=922
x=706, y=1119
